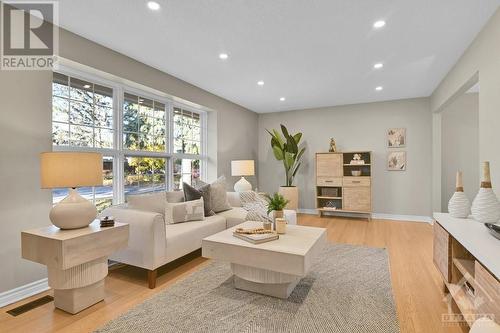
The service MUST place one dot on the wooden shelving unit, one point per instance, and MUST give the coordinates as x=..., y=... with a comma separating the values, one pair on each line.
x=337, y=189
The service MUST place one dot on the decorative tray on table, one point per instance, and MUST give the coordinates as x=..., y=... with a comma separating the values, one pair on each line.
x=494, y=229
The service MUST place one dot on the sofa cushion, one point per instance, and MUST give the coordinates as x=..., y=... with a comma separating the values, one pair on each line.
x=191, y=193
x=184, y=211
x=234, y=216
x=175, y=196
x=183, y=238
x=152, y=202
x=218, y=194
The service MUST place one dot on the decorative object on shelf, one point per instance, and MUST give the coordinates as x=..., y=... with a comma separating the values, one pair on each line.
x=356, y=160
x=286, y=148
x=71, y=170
x=396, y=161
x=333, y=146
x=459, y=204
x=486, y=207
x=276, y=203
x=356, y=173
x=493, y=229
x=242, y=168
x=396, y=137
x=331, y=204
x=281, y=226
x=107, y=221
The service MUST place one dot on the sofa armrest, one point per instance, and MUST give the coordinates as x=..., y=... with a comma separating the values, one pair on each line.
x=147, y=242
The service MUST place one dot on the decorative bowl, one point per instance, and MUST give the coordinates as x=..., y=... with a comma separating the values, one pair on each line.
x=356, y=173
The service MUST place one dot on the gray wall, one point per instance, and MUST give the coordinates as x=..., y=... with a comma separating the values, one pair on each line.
x=460, y=146
x=482, y=59
x=359, y=127
x=25, y=131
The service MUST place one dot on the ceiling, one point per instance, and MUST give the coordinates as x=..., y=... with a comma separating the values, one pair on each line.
x=312, y=52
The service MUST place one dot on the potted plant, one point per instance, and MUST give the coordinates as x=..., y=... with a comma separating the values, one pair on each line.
x=286, y=148
x=276, y=203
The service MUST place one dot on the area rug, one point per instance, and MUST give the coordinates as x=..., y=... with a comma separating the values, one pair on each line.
x=347, y=290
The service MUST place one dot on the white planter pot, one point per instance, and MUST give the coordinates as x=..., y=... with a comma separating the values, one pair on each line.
x=292, y=194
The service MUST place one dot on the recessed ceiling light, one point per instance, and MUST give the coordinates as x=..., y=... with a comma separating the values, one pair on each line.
x=260, y=83
x=223, y=56
x=87, y=86
x=282, y=99
x=153, y=5
x=379, y=24
x=379, y=88
x=378, y=65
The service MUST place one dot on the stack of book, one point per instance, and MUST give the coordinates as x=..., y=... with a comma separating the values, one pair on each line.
x=257, y=238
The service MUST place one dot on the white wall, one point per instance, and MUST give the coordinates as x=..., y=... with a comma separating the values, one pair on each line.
x=460, y=146
x=25, y=131
x=482, y=58
x=359, y=127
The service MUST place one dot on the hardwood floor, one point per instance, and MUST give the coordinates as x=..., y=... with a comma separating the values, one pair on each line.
x=416, y=283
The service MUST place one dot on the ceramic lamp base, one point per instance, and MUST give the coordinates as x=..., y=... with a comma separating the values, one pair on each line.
x=242, y=185
x=73, y=212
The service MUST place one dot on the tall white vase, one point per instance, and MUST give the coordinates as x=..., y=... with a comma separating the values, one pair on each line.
x=459, y=204
x=486, y=207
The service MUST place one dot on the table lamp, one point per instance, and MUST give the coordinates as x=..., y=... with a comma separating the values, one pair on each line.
x=242, y=168
x=71, y=170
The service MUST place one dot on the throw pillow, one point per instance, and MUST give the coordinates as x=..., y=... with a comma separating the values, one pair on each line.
x=255, y=205
x=191, y=193
x=218, y=194
x=175, y=196
x=153, y=202
x=184, y=211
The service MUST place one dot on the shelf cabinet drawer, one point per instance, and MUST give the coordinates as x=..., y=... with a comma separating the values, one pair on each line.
x=356, y=181
x=329, y=165
x=329, y=181
x=487, y=292
x=357, y=199
x=442, y=251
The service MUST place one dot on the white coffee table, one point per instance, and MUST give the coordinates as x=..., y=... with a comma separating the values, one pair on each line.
x=273, y=268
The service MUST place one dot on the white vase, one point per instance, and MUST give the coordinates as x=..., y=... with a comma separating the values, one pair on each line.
x=486, y=207
x=291, y=193
x=459, y=204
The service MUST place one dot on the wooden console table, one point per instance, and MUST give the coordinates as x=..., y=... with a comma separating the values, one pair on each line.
x=76, y=260
x=468, y=257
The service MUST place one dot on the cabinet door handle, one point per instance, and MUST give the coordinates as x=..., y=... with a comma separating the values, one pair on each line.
x=356, y=182
x=328, y=181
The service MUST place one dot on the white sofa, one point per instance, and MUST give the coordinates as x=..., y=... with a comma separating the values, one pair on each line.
x=153, y=243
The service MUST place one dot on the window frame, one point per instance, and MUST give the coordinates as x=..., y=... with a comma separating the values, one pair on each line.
x=118, y=152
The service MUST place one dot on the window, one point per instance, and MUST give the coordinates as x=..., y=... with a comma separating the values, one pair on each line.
x=144, y=124
x=152, y=144
x=187, y=132
x=185, y=171
x=144, y=174
x=82, y=113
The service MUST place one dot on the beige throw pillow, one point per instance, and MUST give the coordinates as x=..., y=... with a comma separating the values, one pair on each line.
x=153, y=202
x=184, y=211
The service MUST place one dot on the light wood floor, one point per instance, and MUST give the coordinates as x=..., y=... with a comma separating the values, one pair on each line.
x=416, y=283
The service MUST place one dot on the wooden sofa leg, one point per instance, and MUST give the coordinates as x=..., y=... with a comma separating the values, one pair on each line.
x=152, y=278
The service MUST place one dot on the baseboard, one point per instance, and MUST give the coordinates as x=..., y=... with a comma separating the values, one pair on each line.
x=382, y=216
x=19, y=293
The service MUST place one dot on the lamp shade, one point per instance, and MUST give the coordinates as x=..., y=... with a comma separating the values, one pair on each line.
x=70, y=169
x=242, y=168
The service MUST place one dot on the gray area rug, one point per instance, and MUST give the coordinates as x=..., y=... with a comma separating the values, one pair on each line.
x=347, y=290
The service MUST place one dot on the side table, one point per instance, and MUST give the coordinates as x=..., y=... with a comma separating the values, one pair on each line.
x=76, y=260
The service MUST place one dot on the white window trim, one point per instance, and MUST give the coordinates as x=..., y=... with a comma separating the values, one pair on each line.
x=118, y=152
